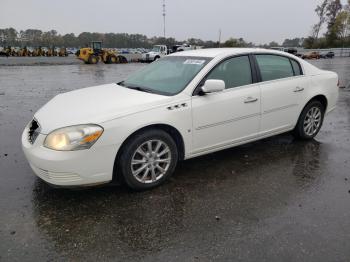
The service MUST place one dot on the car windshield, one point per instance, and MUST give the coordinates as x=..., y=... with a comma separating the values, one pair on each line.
x=167, y=76
x=156, y=49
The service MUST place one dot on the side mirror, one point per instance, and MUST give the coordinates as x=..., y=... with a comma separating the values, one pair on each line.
x=213, y=85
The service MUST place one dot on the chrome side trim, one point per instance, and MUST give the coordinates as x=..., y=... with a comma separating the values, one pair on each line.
x=279, y=108
x=227, y=121
x=245, y=117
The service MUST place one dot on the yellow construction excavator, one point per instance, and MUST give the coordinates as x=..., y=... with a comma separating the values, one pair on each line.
x=51, y=51
x=38, y=52
x=95, y=53
x=23, y=52
x=63, y=52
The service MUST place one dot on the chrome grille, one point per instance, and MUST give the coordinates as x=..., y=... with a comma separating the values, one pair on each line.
x=33, y=131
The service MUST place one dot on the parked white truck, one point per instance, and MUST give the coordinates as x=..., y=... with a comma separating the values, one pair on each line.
x=157, y=52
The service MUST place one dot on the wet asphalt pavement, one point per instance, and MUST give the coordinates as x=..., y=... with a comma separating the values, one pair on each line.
x=38, y=60
x=274, y=200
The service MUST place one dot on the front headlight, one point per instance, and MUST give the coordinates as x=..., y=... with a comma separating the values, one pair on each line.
x=73, y=137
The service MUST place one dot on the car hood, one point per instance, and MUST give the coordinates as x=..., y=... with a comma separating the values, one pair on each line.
x=152, y=53
x=95, y=105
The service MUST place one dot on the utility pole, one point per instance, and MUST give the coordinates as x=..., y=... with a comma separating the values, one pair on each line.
x=164, y=16
x=219, y=37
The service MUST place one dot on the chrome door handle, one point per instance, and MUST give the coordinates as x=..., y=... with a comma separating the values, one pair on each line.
x=298, y=89
x=250, y=99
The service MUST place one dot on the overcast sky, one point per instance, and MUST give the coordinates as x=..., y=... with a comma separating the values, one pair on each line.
x=259, y=21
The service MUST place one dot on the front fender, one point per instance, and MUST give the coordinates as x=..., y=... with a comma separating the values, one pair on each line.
x=118, y=130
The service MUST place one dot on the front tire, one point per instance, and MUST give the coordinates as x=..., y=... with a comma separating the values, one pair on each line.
x=93, y=59
x=148, y=159
x=310, y=120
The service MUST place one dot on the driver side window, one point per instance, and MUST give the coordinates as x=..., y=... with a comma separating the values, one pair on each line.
x=234, y=72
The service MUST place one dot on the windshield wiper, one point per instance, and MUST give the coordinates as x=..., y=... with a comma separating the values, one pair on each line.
x=138, y=88
x=142, y=89
x=121, y=83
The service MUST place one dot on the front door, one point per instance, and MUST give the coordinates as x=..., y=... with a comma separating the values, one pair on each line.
x=224, y=118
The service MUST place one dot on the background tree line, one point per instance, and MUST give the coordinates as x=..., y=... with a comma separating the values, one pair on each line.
x=336, y=19
x=35, y=37
x=332, y=16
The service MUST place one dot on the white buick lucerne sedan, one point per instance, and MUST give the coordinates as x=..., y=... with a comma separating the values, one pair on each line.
x=182, y=106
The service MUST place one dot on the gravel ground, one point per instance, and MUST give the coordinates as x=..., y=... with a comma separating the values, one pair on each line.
x=273, y=200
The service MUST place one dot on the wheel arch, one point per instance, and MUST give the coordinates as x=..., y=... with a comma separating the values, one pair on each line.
x=122, y=59
x=171, y=130
x=321, y=98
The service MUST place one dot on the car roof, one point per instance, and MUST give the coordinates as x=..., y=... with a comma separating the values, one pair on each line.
x=214, y=52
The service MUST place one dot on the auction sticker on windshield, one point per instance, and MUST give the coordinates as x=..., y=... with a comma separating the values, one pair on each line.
x=194, y=62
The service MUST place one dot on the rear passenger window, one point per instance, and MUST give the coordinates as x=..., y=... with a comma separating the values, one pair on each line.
x=274, y=67
x=234, y=72
x=296, y=67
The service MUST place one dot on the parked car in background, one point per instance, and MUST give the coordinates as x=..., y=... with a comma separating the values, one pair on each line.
x=184, y=47
x=182, y=106
x=72, y=51
x=311, y=55
x=174, y=48
x=124, y=51
x=329, y=54
x=291, y=50
x=156, y=53
x=277, y=48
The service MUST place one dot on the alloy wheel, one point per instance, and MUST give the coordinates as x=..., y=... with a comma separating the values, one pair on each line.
x=312, y=121
x=151, y=161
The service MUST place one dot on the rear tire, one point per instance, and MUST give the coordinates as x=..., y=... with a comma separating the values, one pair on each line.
x=148, y=159
x=310, y=120
x=112, y=59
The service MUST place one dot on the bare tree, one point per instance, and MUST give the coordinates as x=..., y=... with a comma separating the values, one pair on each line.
x=321, y=11
x=333, y=9
x=347, y=22
x=342, y=23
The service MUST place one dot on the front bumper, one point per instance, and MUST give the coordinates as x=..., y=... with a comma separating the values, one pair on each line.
x=70, y=168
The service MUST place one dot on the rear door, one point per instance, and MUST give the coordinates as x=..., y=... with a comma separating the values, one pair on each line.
x=282, y=87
